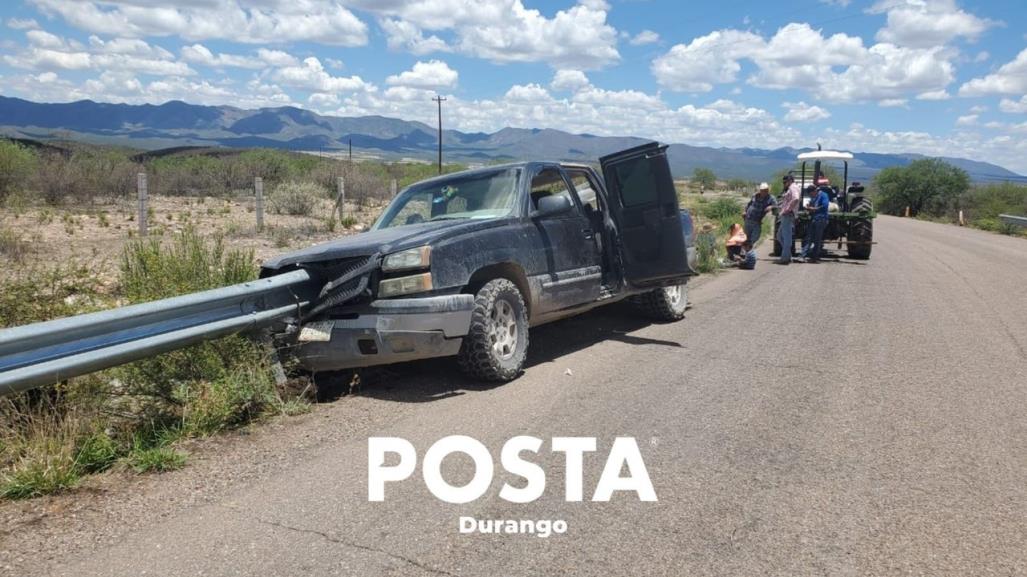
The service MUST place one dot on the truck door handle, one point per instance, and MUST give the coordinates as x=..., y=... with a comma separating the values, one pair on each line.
x=588, y=232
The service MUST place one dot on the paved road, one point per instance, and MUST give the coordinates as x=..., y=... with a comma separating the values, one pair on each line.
x=873, y=423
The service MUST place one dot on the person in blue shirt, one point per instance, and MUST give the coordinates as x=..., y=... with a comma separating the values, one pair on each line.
x=818, y=209
x=747, y=262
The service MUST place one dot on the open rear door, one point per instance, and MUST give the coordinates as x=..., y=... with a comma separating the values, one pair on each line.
x=644, y=205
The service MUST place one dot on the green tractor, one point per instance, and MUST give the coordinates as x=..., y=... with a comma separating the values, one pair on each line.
x=851, y=218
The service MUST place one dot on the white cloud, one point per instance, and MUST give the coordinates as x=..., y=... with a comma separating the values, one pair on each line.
x=982, y=56
x=569, y=80
x=200, y=54
x=1002, y=150
x=500, y=30
x=967, y=120
x=978, y=109
x=927, y=23
x=1013, y=106
x=22, y=24
x=312, y=76
x=433, y=75
x=645, y=37
x=1010, y=78
x=269, y=21
x=402, y=35
x=893, y=103
x=707, y=60
x=46, y=51
x=277, y=57
x=799, y=57
x=934, y=95
x=802, y=112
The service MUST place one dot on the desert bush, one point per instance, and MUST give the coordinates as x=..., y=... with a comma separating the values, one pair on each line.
x=13, y=245
x=16, y=164
x=927, y=185
x=86, y=174
x=296, y=198
x=40, y=292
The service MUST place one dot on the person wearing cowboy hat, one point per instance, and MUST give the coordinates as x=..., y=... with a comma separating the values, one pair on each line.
x=759, y=206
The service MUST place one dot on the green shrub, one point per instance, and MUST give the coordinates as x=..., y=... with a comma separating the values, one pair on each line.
x=296, y=198
x=96, y=452
x=235, y=396
x=37, y=292
x=39, y=477
x=155, y=459
x=16, y=164
x=189, y=263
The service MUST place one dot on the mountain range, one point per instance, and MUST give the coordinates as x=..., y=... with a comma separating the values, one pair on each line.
x=176, y=124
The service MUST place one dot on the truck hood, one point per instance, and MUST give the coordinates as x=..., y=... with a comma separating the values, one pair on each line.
x=383, y=241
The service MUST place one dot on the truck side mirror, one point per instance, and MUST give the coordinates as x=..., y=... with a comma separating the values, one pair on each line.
x=552, y=205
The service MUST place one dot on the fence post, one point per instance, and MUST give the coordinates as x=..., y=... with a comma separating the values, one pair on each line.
x=961, y=221
x=340, y=199
x=141, y=189
x=258, y=191
x=393, y=188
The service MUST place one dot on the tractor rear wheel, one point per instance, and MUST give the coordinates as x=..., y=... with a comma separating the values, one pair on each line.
x=861, y=232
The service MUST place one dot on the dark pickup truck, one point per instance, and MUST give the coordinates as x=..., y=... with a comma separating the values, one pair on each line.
x=464, y=264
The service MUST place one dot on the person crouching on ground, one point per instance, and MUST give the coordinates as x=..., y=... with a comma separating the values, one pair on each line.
x=735, y=238
x=786, y=225
x=759, y=205
x=818, y=209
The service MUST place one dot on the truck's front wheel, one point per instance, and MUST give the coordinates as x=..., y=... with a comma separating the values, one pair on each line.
x=497, y=342
x=664, y=304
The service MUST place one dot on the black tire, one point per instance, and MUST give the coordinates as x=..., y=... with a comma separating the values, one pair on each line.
x=860, y=231
x=662, y=304
x=481, y=355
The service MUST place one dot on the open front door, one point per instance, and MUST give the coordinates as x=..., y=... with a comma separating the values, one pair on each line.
x=644, y=205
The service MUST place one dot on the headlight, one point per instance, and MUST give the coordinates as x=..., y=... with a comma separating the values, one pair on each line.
x=410, y=259
x=404, y=285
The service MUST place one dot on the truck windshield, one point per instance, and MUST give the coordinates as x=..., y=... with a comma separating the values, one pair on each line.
x=477, y=196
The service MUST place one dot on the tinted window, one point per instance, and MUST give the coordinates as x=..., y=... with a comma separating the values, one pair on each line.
x=636, y=179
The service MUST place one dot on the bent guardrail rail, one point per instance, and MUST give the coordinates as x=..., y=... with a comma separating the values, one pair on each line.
x=1014, y=220
x=52, y=351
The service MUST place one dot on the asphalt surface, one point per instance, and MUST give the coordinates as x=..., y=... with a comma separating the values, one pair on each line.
x=841, y=418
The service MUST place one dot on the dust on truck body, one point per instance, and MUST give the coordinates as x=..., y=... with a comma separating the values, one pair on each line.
x=464, y=264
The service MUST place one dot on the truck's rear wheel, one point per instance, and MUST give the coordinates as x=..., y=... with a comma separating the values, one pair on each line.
x=664, y=304
x=497, y=342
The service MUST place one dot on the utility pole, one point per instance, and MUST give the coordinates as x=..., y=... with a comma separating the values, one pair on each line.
x=440, y=100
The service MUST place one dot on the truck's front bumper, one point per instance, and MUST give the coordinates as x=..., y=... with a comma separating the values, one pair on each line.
x=384, y=332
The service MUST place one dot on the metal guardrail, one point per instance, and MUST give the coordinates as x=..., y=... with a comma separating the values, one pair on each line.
x=1014, y=220
x=48, y=352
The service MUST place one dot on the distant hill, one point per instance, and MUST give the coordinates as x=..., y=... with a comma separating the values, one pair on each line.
x=176, y=124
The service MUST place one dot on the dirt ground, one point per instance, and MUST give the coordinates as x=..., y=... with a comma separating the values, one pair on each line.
x=95, y=235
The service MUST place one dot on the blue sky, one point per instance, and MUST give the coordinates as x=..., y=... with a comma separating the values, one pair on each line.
x=939, y=77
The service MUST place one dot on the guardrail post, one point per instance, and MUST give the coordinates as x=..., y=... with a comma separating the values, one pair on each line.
x=394, y=188
x=961, y=221
x=143, y=197
x=258, y=191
